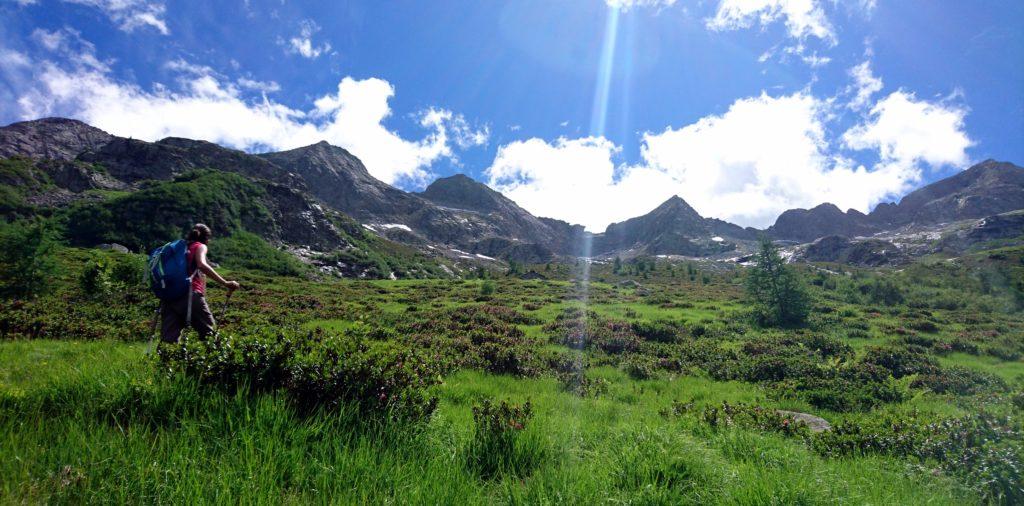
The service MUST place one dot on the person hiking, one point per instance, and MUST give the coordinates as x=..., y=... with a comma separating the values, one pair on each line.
x=175, y=314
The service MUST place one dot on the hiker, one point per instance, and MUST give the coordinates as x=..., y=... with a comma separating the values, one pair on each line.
x=175, y=313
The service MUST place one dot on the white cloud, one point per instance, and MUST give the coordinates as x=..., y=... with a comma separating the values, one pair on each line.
x=302, y=44
x=131, y=14
x=261, y=86
x=205, y=105
x=864, y=86
x=907, y=130
x=764, y=155
x=803, y=18
x=11, y=59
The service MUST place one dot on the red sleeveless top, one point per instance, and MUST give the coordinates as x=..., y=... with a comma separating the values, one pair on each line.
x=199, y=279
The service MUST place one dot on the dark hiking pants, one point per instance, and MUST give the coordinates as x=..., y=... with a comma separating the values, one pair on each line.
x=173, y=314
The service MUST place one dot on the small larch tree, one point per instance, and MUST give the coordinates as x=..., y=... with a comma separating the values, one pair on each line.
x=776, y=290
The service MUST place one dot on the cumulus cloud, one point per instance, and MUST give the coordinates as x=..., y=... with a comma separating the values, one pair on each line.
x=302, y=43
x=202, y=104
x=764, y=155
x=907, y=130
x=864, y=86
x=803, y=18
x=130, y=14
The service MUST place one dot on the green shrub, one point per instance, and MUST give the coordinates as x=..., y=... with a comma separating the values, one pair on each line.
x=316, y=370
x=500, y=445
x=128, y=270
x=981, y=449
x=901, y=360
x=27, y=264
x=960, y=380
x=751, y=417
x=94, y=281
x=487, y=288
x=244, y=250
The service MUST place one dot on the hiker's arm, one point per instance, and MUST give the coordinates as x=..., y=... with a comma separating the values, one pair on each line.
x=204, y=266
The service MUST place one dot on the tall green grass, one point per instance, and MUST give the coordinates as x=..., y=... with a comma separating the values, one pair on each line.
x=93, y=423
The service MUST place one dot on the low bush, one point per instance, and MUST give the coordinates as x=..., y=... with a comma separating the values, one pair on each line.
x=901, y=360
x=751, y=417
x=959, y=380
x=500, y=445
x=981, y=449
x=316, y=370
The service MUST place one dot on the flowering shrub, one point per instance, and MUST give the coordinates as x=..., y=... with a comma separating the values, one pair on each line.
x=901, y=360
x=315, y=370
x=752, y=417
x=587, y=330
x=498, y=445
x=960, y=381
x=982, y=449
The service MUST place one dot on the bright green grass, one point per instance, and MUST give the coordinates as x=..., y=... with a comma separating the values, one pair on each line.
x=1008, y=370
x=88, y=422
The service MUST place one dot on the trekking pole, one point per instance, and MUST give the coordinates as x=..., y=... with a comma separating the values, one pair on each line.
x=224, y=310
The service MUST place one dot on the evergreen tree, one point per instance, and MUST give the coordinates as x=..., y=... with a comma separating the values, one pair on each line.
x=777, y=292
x=617, y=265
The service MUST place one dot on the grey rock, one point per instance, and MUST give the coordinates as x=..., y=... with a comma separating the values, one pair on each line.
x=113, y=247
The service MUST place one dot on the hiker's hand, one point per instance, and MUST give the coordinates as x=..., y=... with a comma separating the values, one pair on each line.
x=232, y=285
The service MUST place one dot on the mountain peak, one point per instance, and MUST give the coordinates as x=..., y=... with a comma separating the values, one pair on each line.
x=53, y=138
x=464, y=192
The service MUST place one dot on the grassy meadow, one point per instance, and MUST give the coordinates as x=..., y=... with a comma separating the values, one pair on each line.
x=649, y=384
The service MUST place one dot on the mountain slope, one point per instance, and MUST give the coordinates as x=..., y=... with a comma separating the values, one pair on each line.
x=672, y=228
x=985, y=189
x=456, y=211
x=141, y=194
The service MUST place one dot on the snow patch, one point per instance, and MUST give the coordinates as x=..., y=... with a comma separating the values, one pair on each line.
x=717, y=239
x=389, y=226
x=485, y=257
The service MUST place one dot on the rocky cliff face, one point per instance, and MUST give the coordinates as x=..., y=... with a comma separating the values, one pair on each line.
x=985, y=189
x=826, y=219
x=51, y=138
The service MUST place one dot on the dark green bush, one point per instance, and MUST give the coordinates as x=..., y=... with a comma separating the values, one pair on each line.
x=901, y=360
x=27, y=264
x=316, y=370
x=500, y=445
x=960, y=380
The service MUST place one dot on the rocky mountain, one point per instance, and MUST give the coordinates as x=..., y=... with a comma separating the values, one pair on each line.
x=53, y=162
x=805, y=225
x=455, y=211
x=57, y=139
x=672, y=228
x=985, y=189
x=864, y=252
x=161, y=188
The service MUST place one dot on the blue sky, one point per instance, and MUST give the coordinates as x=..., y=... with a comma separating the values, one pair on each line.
x=591, y=111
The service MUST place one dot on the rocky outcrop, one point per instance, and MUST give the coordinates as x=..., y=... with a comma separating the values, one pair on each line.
x=51, y=138
x=986, y=189
x=860, y=252
x=826, y=219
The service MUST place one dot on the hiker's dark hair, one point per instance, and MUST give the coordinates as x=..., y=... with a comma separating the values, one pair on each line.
x=199, y=233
